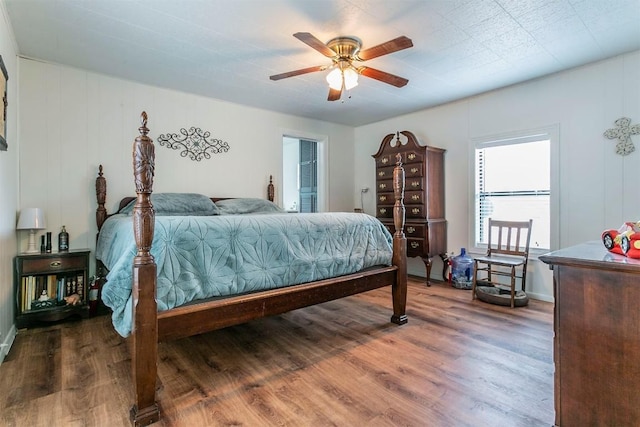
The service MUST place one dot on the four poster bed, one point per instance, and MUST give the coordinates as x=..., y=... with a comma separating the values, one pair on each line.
x=183, y=267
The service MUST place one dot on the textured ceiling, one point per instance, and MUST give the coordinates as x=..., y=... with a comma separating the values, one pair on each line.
x=227, y=49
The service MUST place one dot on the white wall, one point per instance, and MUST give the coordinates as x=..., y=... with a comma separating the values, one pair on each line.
x=598, y=189
x=8, y=187
x=71, y=121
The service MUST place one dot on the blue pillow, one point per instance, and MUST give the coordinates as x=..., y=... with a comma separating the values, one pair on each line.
x=178, y=204
x=246, y=206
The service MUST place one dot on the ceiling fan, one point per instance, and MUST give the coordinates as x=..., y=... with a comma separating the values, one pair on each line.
x=343, y=51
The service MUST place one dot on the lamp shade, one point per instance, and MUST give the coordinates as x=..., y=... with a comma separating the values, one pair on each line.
x=334, y=78
x=342, y=74
x=31, y=219
x=350, y=78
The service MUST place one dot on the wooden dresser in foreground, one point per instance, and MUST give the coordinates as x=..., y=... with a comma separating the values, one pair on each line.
x=426, y=227
x=597, y=336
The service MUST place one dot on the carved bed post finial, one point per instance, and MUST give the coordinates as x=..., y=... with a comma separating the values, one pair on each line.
x=143, y=171
x=101, y=196
x=270, y=189
x=398, y=192
x=144, y=331
x=143, y=121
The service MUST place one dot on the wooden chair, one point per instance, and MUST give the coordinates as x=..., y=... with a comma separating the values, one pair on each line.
x=507, y=252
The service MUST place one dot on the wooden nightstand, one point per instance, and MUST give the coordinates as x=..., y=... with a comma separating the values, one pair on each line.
x=59, y=274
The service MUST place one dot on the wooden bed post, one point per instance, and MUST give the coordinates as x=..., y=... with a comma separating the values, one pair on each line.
x=270, y=189
x=101, y=195
x=101, y=217
x=144, y=333
x=399, y=288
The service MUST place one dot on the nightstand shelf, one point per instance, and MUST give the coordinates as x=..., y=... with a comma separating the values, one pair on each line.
x=59, y=274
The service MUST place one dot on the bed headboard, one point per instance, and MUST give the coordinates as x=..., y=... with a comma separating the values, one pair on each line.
x=101, y=197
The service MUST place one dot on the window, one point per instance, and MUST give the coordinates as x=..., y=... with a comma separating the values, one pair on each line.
x=513, y=181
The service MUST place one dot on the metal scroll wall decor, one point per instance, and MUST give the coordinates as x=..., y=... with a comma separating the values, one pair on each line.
x=194, y=143
x=622, y=132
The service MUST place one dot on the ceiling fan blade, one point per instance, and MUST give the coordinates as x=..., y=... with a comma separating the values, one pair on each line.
x=386, y=48
x=383, y=76
x=298, y=72
x=334, y=94
x=313, y=41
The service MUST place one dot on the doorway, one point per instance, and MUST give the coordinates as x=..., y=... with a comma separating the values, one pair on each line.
x=302, y=174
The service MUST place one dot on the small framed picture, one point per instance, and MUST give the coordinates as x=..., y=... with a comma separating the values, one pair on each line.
x=3, y=107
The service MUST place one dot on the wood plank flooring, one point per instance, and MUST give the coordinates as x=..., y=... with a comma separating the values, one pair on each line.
x=456, y=363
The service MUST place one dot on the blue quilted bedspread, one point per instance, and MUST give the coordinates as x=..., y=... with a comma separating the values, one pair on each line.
x=221, y=255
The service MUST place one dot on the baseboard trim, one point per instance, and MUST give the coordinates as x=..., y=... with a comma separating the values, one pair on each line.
x=540, y=297
x=8, y=342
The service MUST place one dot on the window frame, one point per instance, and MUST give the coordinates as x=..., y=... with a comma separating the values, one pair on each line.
x=551, y=133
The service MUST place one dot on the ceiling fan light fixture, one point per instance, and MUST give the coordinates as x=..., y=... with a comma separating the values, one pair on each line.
x=342, y=51
x=334, y=78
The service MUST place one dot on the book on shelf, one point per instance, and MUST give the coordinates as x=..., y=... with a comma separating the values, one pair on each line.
x=23, y=293
x=32, y=290
x=61, y=288
x=69, y=287
x=80, y=287
x=52, y=288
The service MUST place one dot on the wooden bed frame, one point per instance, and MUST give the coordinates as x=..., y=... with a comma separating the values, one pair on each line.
x=150, y=326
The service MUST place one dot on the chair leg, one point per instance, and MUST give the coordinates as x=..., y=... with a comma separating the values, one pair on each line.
x=513, y=287
x=475, y=279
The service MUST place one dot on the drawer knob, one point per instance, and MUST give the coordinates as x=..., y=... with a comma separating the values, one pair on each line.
x=411, y=156
x=55, y=264
x=415, y=184
x=414, y=170
x=385, y=160
x=383, y=210
x=383, y=186
x=381, y=173
x=415, y=197
x=383, y=198
x=415, y=244
x=415, y=210
x=411, y=230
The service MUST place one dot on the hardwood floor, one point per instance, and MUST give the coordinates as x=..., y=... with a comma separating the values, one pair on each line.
x=456, y=363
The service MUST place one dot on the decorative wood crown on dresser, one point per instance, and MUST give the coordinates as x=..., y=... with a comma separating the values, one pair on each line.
x=426, y=227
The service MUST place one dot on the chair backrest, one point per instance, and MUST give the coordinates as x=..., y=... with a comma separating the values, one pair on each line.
x=509, y=237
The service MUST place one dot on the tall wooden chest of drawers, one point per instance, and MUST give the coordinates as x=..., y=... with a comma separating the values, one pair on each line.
x=426, y=226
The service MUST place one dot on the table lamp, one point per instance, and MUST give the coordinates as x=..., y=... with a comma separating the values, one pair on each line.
x=31, y=219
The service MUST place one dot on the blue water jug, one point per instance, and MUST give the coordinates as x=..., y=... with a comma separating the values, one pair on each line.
x=462, y=270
